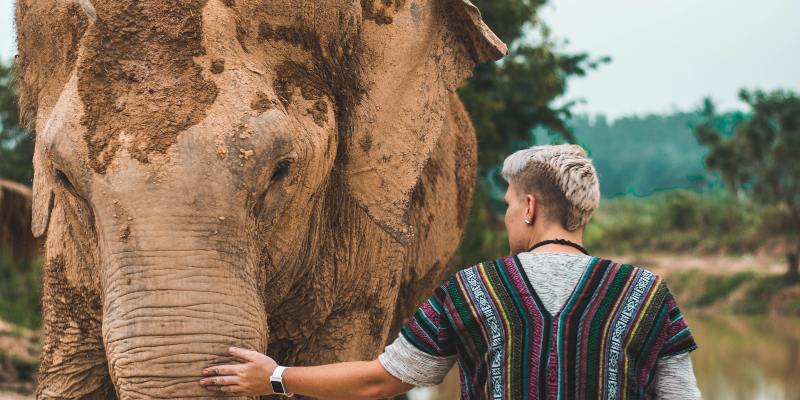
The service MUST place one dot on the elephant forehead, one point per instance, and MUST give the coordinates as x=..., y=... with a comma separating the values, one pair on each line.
x=137, y=77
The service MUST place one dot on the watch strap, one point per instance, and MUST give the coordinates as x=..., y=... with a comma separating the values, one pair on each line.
x=276, y=379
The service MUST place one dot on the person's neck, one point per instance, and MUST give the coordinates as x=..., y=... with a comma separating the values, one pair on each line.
x=555, y=231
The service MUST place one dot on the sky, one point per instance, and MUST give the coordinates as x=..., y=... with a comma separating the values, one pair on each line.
x=667, y=55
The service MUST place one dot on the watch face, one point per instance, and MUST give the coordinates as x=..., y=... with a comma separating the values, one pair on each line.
x=277, y=387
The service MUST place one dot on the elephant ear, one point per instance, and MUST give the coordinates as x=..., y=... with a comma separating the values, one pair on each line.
x=415, y=53
x=43, y=195
x=483, y=44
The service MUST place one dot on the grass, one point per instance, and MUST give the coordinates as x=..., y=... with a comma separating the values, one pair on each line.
x=759, y=296
x=793, y=308
x=719, y=286
x=698, y=289
x=685, y=221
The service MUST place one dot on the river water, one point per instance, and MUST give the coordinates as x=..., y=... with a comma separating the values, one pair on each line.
x=739, y=358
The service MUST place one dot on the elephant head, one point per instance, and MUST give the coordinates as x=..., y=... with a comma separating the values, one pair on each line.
x=202, y=164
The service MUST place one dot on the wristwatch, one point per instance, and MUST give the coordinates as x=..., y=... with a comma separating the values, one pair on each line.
x=276, y=380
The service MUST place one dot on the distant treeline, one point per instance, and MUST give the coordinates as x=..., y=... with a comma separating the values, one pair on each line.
x=640, y=155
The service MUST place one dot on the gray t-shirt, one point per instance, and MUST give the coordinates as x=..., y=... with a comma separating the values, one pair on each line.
x=553, y=277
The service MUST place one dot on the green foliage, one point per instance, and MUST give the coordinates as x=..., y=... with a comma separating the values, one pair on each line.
x=759, y=296
x=20, y=290
x=703, y=289
x=756, y=291
x=677, y=220
x=509, y=98
x=719, y=286
x=481, y=241
x=640, y=155
x=793, y=308
x=670, y=221
x=761, y=154
x=16, y=143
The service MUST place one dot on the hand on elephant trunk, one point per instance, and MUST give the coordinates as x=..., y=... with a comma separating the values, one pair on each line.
x=250, y=378
x=347, y=381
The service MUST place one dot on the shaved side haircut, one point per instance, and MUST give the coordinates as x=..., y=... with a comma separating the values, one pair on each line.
x=561, y=178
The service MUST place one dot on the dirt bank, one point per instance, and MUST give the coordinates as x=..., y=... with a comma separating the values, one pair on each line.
x=752, y=284
x=666, y=264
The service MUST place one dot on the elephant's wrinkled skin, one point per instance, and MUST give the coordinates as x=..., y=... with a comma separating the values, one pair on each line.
x=207, y=168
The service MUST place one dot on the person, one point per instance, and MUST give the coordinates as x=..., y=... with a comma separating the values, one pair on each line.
x=548, y=322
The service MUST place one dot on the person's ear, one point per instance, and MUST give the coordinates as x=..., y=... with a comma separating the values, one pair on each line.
x=530, y=212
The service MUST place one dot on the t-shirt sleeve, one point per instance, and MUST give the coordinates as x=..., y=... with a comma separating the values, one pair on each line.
x=411, y=365
x=678, y=337
x=675, y=379
x=429, y=329
x=425, y=351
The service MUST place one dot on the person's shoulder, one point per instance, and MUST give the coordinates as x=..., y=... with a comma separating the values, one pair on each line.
x=629, y=269
x=480, y=268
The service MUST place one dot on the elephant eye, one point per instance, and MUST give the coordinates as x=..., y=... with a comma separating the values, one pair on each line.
x=63, y=180
x=281, y=170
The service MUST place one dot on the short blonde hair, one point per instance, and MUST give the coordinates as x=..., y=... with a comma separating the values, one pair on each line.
x=561, y=178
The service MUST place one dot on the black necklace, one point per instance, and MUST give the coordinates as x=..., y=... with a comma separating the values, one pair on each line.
x=564, y=242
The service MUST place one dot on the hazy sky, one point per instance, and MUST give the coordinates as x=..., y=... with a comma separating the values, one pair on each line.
x=667, y=54
x=670, y=54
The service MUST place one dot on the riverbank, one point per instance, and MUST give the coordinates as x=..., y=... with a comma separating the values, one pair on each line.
x=723, y=285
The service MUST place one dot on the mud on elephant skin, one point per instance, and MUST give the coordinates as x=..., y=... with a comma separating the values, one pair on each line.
x=205, y=169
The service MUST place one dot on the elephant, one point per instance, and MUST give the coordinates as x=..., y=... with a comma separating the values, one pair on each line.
x=290, y=177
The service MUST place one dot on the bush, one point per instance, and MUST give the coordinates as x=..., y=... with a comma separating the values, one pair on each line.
x=759, y=296
x=719, y=286
x=680, y=220
x=20, y=290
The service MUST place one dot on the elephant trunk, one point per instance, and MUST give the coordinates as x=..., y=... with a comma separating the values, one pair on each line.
x=170, y=313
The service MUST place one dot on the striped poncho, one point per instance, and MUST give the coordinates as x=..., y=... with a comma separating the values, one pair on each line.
x=603, y=344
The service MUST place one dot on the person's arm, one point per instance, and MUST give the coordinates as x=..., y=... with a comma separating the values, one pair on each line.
x=674, y=375
x=675, y=378
x=349, y=380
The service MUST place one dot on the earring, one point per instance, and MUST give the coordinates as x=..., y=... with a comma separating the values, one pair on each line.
x=527, y=222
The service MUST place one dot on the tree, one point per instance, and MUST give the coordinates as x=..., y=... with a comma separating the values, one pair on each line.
x=762, y=155
x=506, y=101
x=16, y=142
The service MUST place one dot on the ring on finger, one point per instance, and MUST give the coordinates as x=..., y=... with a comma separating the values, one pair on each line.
x=215, y=371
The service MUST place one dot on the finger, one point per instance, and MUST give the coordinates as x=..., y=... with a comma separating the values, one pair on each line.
x=220, y=380
x=231, y=389
x=245, y=354
x=222, y=370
